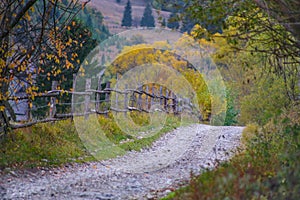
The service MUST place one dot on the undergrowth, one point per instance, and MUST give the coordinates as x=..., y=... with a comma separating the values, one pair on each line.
x=57, y=143
x=267, y=168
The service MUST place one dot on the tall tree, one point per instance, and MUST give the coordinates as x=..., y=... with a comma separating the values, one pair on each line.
x=148, y=19
x=127, y=16
x=27, y=29
x=164, y=23
x=187, y=24
x=275, y=24
x=173, y=21
x=79, y=42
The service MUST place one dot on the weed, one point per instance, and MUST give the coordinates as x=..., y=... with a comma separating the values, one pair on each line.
x=269, y=167
x=53, y=144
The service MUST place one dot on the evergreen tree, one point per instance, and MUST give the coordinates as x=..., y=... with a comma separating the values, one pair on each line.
x=164, y=23
x=148, y=19
x=89, y=21
x=187, y=24
x=173, y=21
x=127, y=18
x=103, y=60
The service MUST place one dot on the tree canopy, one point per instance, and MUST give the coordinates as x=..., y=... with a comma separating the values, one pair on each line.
x=266, y=27
x=173, y=21
x=27, y=30
x=148, y=19
x=127, y=17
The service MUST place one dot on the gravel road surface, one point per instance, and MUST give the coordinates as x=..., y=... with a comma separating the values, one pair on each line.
x=149, y=174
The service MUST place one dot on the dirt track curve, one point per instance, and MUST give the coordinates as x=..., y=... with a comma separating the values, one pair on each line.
x=149, y=174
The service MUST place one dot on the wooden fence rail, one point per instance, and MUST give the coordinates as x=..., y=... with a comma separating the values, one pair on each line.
x=103, y=101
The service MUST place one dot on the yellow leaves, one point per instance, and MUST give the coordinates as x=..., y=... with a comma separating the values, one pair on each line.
x=69, y=64
x=27, y=16
x=2, y=108
x=49, y=56
x=35, y=88
x=22, y=67
x=81, y=71
x=161, y=45
x=69, y=42
x=74, y=55
x=32, y=9
x=56, y=59
x=58, y=71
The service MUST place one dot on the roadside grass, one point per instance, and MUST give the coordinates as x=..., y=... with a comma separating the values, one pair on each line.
x=47, y=144
x=54, y=144
x=267, y=168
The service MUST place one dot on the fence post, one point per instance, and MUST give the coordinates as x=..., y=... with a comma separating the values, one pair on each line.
x=139, y=102
x=174, y=102
x=53, y=100
x=73, y=95
x=117, y=95
x=126, y=99
x=133, y=99
x=98, y=94
x=179, y=104
x=161, y=95
x=29, y=114
x=4, y=123
x=152, y=99
x=147, y=98
x=87, y=98
x=107, y=96
x=166, y=100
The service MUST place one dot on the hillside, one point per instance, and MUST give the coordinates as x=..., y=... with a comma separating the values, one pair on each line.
x=113, y=13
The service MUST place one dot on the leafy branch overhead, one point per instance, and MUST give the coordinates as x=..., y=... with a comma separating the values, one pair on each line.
x=270, y=28
x=31, y=33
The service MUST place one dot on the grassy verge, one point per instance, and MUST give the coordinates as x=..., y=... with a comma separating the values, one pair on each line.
x=54, y=144
x=269, y=167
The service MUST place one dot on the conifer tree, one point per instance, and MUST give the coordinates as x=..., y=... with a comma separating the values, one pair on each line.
x=148, y=19
x=173, y=21
x=164, y=23
x=127, y=17
x=187, y=24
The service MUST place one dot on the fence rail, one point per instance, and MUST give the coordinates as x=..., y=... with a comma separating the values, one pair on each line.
x=105, y=100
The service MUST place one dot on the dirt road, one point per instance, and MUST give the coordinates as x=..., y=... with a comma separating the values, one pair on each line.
x=149, y=174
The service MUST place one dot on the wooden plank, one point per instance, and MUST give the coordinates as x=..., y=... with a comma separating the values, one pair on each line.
x=87, y=98
x=126, y=100
x=53, y=100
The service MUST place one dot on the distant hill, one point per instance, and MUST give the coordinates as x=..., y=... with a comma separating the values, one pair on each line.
x=113, y=13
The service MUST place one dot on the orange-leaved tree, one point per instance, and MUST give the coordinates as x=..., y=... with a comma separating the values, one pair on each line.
x=28, y=29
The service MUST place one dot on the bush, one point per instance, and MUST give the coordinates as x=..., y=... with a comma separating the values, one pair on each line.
x=269, y=168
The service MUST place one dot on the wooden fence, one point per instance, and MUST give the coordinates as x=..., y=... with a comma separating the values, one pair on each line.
x=102, y=101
